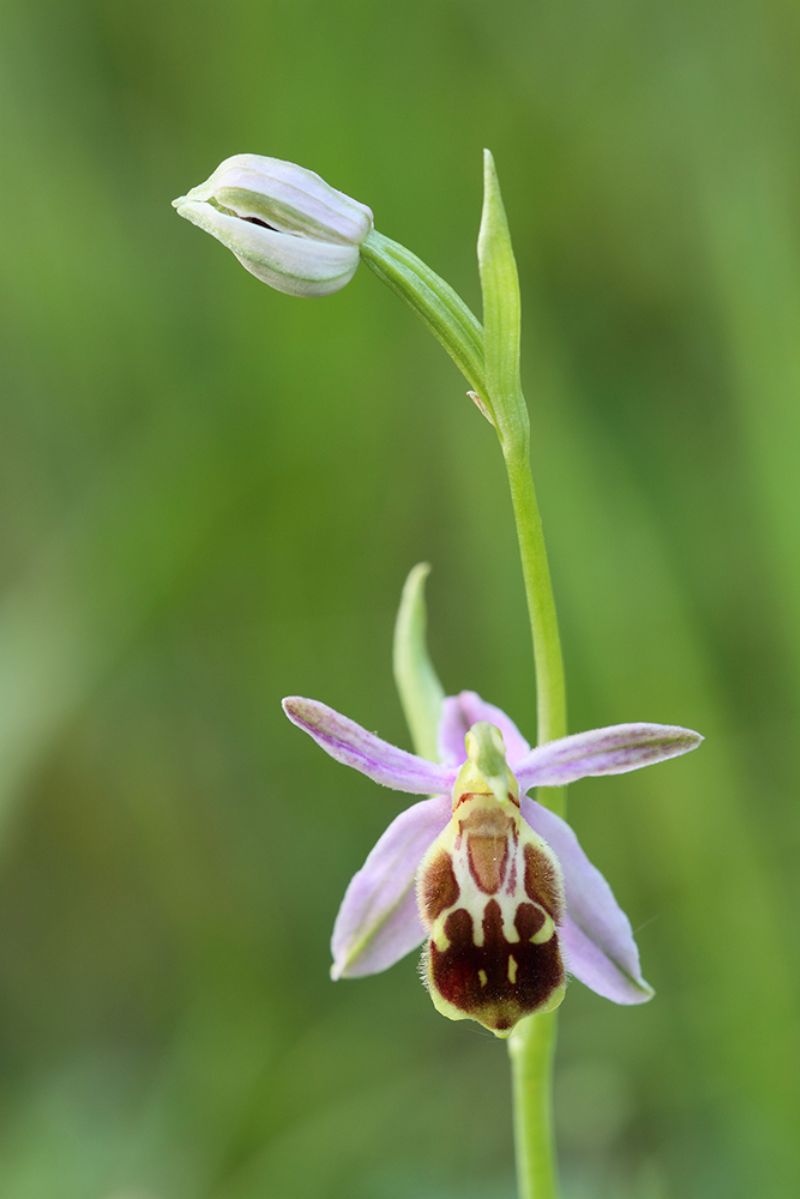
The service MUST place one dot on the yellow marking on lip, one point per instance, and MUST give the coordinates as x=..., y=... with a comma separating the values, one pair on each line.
x=512, y=969
x=483, y=977
x=440, y=939
x=545, y=932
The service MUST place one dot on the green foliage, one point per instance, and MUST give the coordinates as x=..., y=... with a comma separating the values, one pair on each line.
x=211, y=495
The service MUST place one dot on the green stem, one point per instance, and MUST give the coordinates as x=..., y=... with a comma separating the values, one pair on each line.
x=531, y=1048
x=532, y=1044
x=548, y=660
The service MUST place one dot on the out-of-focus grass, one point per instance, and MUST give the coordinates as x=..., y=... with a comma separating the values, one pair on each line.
x=210, y=496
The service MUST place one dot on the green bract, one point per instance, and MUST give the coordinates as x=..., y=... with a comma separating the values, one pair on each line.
x=501, y=315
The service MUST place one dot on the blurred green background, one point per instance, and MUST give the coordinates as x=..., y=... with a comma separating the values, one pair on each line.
x=210, y=497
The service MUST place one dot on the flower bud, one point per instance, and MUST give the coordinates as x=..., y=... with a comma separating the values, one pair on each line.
x=285, y=225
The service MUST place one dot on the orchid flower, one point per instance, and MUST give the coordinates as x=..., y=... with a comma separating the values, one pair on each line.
x=495, y=884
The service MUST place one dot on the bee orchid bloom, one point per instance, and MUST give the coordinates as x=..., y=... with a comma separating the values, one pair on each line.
x=495, y=884
x=285, y=224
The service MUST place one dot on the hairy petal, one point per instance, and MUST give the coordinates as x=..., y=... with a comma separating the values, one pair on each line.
x=613, y=750
x=460, y=712
x=378, y=922
x=352, y=745
x=596, y=935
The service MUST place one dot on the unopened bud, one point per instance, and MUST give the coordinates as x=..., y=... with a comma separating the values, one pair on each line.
x=286, y=226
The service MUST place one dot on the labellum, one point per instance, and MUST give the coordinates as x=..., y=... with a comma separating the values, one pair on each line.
x=490, y=895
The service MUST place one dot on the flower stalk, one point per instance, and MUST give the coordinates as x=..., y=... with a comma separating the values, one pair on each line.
x=551, y=701
x=532, y=1044
x=531, y=1049
x=447, y=317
